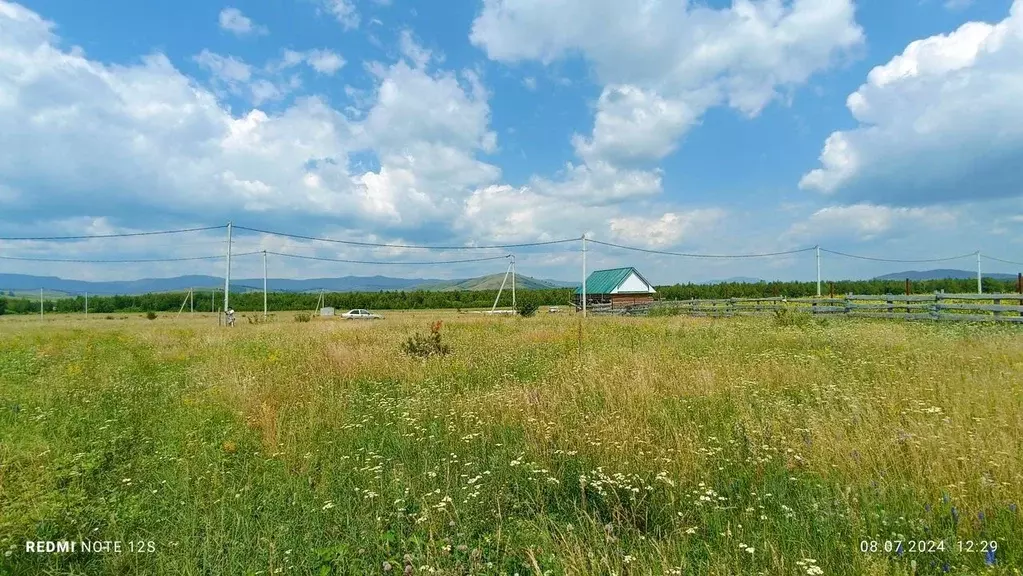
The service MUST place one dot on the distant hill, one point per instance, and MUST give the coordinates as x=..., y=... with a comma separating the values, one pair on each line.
x=942, y=274
x=24, y=285
x=561, y=283
x=490, y=282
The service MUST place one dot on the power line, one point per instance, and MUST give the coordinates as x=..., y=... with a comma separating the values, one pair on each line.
x=724, y=256
x=1002, y=261
x=119, y=235
x=390, y=263
x=130, y=261
x=409, y=246
x=971, y=254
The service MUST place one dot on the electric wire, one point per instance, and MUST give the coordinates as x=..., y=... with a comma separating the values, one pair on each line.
x=923, y=261
x=117, y=235
x=126, y=261
x=407, y=246
x=1002, y=261
x=424, y=263
x=688, y=255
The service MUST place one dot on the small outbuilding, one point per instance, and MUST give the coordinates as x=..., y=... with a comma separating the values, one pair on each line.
x=619, y=287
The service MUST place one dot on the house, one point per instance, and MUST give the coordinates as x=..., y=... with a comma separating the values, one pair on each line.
x=619, y=287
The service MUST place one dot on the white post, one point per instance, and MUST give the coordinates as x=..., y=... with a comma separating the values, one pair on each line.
x=227, y=277
x=501, y=289
x=264, y=284
x=191, y=300
x=513, y=281
x=980, y=289
x=818, y=270
x=584, y=276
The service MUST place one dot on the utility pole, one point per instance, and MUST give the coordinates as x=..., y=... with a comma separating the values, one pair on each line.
x=227, y=277
x=264, y=284
x=584, y=275
x=86, y=305
x=980, y=289
x=513, y=280
x=818, y=248
x=40, y=302
x=191, y=300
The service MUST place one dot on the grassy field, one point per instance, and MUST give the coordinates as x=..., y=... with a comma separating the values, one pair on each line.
x=629, y=446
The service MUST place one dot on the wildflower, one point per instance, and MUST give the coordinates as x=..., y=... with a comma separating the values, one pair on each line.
x=387, y=566
x=627, y=559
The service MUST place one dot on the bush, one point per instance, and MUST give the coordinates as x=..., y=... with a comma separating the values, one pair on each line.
x=665, y=311
x=789, y=317
x=303, y=317
x=151, y=315
x=527, y=308
x=259, y=319
x=424, y=346
x=3, y=306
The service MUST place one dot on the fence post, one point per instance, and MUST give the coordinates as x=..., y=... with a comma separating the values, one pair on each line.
x=935, y=312
x=890, y=308
x=848, y=304
x=998, y=313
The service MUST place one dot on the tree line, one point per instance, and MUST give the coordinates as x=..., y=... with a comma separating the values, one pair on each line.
x=425, y=299
x=276, y=301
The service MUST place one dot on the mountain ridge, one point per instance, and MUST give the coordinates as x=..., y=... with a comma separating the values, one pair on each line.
x=27, y=283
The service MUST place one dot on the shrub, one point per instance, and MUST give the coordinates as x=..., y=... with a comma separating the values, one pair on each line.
x=424, y=346
x=789, y=317
x=527, y=308
x=151, y=315
x=109, y=317
x=665, y=311
x=259, y=319
x=3, y=306
x=303, y=317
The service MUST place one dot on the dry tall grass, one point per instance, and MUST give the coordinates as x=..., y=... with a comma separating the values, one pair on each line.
x=660, y=446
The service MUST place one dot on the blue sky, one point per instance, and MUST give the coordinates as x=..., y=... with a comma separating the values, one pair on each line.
x=886, y=129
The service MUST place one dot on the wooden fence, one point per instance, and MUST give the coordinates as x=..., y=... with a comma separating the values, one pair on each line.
x=960, y=307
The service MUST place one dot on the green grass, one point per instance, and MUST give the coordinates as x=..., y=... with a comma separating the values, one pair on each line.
x=664, y=445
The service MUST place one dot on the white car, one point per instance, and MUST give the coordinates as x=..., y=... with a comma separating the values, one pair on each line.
x=359, y=314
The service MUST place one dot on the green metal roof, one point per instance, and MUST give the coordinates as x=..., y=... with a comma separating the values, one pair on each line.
x=605, y=281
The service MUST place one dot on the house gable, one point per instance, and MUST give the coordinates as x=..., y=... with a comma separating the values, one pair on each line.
x=634, y=284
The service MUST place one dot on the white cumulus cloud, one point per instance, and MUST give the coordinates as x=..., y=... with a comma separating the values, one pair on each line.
x=232, y=20
x=869, y=221
x=664, y=63
x=667, y=230
x=940, y=122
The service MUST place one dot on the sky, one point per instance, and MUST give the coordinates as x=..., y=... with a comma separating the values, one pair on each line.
x=882, y=129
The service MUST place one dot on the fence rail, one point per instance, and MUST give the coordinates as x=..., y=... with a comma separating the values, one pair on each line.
x=940, y=306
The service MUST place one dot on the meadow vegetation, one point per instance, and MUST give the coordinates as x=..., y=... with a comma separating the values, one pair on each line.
x=630, y=446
